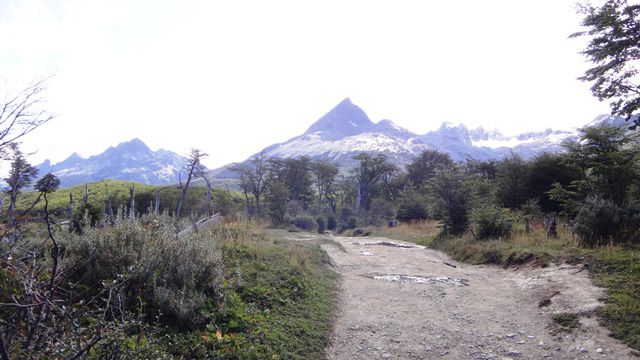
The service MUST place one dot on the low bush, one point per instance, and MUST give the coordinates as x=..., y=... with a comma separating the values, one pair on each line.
x=170, y=275
x=332, y=224
x=602, y=222
x=492, y=223
x=322, y=224
x=304, y=223
x=412, y=210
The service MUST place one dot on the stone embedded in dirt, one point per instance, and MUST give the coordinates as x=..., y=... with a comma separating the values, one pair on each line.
x=514, y=353
x=420, y=279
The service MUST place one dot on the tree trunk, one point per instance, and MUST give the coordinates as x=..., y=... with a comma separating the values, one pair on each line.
x=132, y=207
x=70, y=205
x=85, y=198
x=246, y=196
x=184, y=193
x=156, y=203
x=12, y=202
x=209, y=195
x=2, y=203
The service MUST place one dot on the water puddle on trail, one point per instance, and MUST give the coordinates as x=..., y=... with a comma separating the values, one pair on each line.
x=414, y=279
x=387, y=243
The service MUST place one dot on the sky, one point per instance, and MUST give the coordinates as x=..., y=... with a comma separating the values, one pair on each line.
x=232, y=77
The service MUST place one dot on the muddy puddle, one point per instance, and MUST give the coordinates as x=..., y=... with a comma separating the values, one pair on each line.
x=415, y=279
x=387, y=243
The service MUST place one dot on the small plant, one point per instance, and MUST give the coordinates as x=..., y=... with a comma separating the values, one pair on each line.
x=567, y=321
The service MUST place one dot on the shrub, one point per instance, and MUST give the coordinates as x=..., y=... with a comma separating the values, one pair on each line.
x=492, y=223
x=172, y=276
x=322, y=224
x=351, y=223
x=332, y=224
x=412, y=210
x=305, y=223
x=602, y=222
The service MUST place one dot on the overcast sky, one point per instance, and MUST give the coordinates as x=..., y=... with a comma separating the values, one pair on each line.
x=231, y=77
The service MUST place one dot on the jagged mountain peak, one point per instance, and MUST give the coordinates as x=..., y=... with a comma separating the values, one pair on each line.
x=130, y=160
x=345, y=119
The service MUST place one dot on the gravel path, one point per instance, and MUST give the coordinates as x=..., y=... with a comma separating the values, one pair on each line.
x=400, y=301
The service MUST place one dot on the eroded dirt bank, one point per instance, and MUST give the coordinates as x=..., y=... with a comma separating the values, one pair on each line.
x=407, y=302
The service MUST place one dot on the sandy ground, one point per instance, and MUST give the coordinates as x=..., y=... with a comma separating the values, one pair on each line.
x=406, y=303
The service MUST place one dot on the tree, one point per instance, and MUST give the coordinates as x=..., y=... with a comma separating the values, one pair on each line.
x=253, y=181
x=511, y=180
x=22, y=113
x=424, y=167
x=192, y=168
x=614, y=47
x=21, y=174
x=452, y=200
x=607, y=158
x=325, y=174
x=368, y=173
x=544, y=171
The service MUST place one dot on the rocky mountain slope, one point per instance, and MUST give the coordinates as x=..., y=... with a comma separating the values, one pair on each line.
x=131, y=160
x=346, y=130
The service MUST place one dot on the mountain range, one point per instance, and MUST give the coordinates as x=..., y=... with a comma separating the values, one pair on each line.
x=346, y=130
x=131, y=160
x=338, y=136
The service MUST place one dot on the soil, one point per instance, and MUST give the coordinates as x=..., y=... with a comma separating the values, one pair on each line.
x=403, y=301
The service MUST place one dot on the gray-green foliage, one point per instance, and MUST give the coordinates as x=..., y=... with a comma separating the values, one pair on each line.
x=173, y=276
x=602, y=222
x=492, y=222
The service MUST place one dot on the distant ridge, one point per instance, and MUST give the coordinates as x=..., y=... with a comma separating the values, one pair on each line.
x=131, y=160
x=346, y=130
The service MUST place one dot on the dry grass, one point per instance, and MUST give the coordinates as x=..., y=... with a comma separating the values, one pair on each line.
x=423, y=232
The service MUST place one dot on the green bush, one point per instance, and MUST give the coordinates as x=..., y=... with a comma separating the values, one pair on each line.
x=332, y=224
x=412, y=210
x=305, y=223
x=492, y=223
x=170, y=275
x=602, y=222
x=322, y=224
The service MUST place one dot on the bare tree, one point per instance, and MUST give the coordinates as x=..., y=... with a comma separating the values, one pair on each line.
x=253, y=180
x=22, y=113
x=192, y=168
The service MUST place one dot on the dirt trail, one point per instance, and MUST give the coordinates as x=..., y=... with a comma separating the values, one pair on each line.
x=406, y=303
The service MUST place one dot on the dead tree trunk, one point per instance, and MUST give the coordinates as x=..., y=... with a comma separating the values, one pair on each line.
x=156, y=203
x=70, y=205
x=2, y=203
x=107, y=205
x=132, y=205
x=209, y=195
x=85, y=198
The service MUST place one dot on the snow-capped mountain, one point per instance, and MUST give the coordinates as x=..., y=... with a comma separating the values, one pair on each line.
x=346, y=131
x=131, y=160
